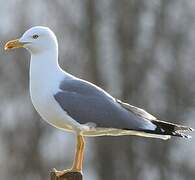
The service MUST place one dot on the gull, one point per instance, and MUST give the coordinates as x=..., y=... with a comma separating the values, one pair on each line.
x=75, y=105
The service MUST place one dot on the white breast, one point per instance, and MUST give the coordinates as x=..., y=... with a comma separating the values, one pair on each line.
x=44, y=83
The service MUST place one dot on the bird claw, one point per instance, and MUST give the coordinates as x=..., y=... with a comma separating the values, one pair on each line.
x=61, y=173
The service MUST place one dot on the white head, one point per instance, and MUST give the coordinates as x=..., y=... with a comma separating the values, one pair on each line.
x=37, y=39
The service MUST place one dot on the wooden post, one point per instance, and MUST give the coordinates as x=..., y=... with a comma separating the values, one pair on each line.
x=60, y=175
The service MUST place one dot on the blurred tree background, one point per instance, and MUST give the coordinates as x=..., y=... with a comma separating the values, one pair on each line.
x=141, y=51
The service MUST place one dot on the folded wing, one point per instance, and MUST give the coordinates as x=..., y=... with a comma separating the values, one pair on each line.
x=89, y=104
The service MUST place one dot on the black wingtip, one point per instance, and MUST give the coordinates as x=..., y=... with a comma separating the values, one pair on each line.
x=186, y=136
x=179, y=134
x=181, y=129
x=167, y=128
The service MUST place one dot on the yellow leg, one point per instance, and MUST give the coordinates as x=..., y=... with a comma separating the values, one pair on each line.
x=78, y=160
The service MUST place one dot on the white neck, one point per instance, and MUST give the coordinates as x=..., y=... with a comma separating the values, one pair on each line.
x=45, y=70
x=44, y=63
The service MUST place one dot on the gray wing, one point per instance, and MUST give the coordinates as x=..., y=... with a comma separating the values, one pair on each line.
x=87, y=103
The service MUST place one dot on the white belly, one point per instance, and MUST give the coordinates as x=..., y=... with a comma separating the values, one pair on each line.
x=48, y=108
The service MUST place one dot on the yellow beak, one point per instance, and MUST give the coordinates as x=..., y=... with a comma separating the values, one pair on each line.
x=13, y=44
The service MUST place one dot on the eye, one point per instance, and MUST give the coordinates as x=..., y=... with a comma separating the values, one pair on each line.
x=35, y=36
